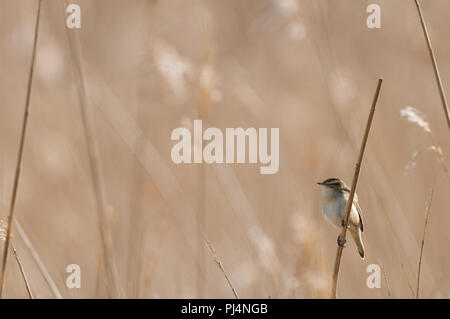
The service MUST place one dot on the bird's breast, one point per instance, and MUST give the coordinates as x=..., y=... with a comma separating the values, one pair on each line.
x=333, y=211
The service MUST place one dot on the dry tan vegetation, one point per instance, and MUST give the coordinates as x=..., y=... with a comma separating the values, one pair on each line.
x=149, y=66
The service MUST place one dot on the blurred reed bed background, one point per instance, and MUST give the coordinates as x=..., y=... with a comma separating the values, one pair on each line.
x=306, y=67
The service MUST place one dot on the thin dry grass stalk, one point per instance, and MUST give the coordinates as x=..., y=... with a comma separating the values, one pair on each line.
x=219, y=263
x=411, y=289
x=38, y=260
x=20, y=155
x=435, y=66
x=94, y=163
x=353, y=189
x=386, y=281
x=423, y=237
x=27, y=285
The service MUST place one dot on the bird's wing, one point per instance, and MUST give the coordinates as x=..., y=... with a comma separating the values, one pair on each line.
x=358, y=208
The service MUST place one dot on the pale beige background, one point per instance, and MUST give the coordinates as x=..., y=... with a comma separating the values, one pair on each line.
x=307, y=67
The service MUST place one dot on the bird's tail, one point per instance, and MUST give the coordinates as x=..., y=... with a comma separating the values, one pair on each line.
x=357, y=236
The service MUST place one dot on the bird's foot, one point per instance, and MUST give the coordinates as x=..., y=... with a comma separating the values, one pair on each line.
x=343, y=224
x=341, y=243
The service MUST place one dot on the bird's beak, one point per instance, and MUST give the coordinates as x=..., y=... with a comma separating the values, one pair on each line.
x=320, y=183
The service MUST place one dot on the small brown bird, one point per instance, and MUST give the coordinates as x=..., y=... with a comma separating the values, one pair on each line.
x=335, y=196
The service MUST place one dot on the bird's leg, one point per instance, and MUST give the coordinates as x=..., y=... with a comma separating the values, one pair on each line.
x=341, y=243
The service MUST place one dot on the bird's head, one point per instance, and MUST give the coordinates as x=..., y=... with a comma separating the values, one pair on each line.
x=333, y=183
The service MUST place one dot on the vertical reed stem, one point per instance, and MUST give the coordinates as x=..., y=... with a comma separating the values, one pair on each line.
x=353, y=189
x=423, y=238
x=20, y=155
x=435, y=66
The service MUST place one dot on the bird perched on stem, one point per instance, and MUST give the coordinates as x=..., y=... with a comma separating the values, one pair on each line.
x=335, y=196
